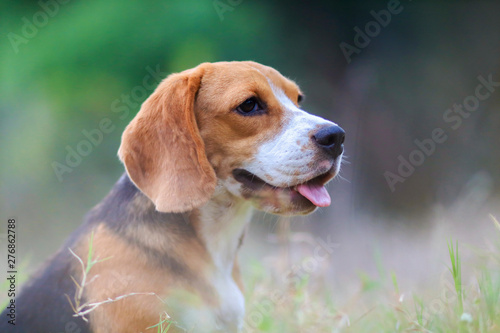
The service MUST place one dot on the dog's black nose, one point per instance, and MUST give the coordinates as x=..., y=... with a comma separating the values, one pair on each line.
x=330, y=139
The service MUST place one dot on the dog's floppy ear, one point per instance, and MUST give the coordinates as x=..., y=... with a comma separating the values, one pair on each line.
x=162, y=149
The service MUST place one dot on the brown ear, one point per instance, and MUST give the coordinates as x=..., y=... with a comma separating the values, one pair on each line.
x=162, y=149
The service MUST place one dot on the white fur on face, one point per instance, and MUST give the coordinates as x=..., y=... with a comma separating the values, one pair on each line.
x=291, y=156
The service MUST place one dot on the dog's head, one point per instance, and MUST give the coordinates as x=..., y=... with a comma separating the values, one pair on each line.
x=237, y=125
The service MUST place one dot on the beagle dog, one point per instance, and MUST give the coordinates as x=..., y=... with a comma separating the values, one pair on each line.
x=207, y=147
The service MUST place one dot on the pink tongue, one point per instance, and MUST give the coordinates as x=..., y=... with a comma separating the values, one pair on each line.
x=317, y=194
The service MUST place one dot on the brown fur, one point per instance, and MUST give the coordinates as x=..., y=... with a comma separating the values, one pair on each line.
x=162, y=149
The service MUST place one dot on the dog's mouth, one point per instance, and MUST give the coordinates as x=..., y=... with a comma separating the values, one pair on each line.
x=313, y=190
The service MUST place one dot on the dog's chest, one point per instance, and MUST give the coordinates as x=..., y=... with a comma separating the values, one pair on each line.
x=226, y=317
x=231, y=309
x=222, y=229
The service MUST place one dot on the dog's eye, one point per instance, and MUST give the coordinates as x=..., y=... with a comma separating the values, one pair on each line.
x=250, y=106
x=300, y=98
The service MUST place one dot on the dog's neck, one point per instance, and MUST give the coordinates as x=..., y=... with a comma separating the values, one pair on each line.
x=223, y=221
x=218, y=226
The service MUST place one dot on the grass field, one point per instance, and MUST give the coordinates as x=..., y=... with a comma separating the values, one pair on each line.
x=299, y=298
x=297, y=304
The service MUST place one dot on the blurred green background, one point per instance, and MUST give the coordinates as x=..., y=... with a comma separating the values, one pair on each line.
x=83, y=58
